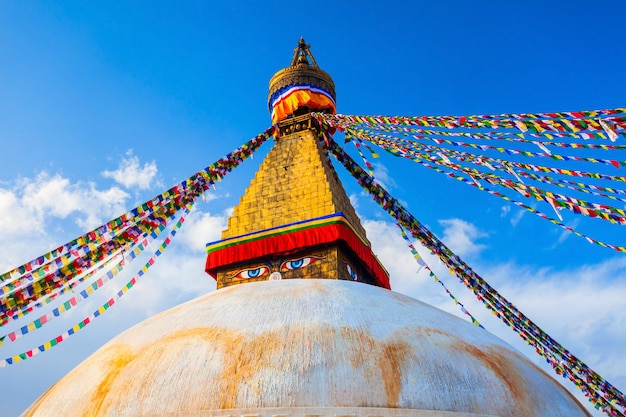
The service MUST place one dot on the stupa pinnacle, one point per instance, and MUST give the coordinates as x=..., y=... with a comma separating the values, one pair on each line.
x=301, y=87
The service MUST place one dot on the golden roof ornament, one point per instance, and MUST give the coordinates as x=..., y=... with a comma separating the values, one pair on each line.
x=302, y=86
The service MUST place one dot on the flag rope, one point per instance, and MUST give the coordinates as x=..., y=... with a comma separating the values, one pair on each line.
x=98, y=312
x=600, y=392
x=43, y=279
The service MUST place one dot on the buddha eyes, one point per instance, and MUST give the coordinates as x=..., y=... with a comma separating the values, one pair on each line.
x=298, y=263
x=252, y=273
x=351, y=271
x=288, y=265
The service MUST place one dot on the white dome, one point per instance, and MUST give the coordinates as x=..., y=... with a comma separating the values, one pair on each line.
x=306, y=347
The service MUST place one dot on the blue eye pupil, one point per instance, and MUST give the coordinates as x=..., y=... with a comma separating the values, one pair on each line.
x=253, y=273
x=297, y=264
x=351, y=272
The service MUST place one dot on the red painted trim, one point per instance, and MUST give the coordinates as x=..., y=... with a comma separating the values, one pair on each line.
x=295, y=242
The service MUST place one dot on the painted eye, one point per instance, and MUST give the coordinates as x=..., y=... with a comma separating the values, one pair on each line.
x=297, y=263
x=252, y=273
x=352, y=272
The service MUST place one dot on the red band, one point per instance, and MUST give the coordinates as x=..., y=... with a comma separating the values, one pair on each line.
x=295, y=241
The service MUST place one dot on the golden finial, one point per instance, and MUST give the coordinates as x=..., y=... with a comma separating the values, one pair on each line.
x=301, y=54
x=302, y=73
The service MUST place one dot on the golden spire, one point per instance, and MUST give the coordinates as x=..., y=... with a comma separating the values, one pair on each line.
x=295, y=220
x=301, y=53
x=308, y=85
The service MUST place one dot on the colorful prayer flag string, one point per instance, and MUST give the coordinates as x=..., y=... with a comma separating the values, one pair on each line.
x=576, y=205
x=611, y=122
x=63, y=307
x=599, y=391
x=428, y=163
x=133, y=252
x=475, y=167
x=26, y=295
x=422, y=263
x=45, y=278
x=197, y=183
x=80, y=325
x=515, y=136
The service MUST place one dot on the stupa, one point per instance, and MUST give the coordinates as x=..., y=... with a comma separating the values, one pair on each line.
x=303, y=322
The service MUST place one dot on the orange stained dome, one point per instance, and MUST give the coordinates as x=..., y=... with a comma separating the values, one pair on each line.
x=306, y=347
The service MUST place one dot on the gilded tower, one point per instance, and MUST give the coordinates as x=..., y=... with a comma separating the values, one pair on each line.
x=295, y=220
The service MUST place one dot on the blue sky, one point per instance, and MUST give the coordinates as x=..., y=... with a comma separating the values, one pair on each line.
x=154, y=91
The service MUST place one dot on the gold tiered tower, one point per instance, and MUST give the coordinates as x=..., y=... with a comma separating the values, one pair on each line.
x=295, y=220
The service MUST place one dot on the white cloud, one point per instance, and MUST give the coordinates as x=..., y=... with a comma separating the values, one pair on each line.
x=583, y=308
x=381, y=174
x=570, y=299
x=35, y=199
x=101, y=205
x=460, y=237
x=202, y=228
x=29, y=206
x=49, y=195
x=515, y=219
x=392, y=250
x=354, y=200
x=130, y=174
x=55, y=196
x=15, y=219
x=517, y=215
x=566, y=233
x=176, y=276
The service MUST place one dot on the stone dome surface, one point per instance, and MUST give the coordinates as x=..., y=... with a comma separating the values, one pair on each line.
x=306, y=347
